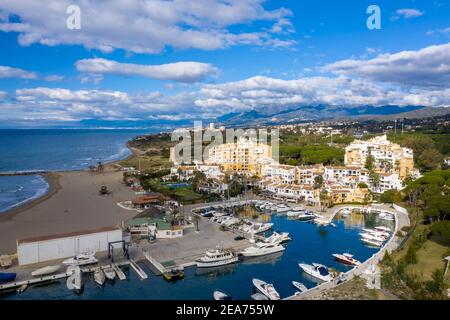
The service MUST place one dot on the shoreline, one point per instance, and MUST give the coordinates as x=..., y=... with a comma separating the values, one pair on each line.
x=52, y=179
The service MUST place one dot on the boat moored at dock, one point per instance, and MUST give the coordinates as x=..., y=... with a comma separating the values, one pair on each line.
x=217, y=257
x=262, y=249
x=266, y=289
x=99, y=276
x=82, y=259
x=218, y=295
x=45, y=271
x=299, y=286
x=346, y=258
x=316, y=270
x=7, y=277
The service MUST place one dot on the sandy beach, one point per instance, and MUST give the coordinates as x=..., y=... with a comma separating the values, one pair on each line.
x=72, y=203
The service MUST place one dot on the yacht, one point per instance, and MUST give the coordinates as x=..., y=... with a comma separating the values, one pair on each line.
x=282, y=209
x=322, y=221
x=258, y=227
x=300, y=286
x=262, y=249
x=346, y=258
x=259, y=296
x=278, y=237
x=383, y=228
x=216, y=257
x=82, y=259
x=221, y=296
x=382, y=234
x=306, y=216
x=266, y=289
x=316, y=270
x=372, y=242
x=370, y=236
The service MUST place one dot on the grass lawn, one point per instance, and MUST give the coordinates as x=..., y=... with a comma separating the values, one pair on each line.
x=430, y=258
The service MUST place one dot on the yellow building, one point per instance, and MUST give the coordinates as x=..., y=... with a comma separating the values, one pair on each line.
x=342, y=195
x=389, y=157
x=244, y=156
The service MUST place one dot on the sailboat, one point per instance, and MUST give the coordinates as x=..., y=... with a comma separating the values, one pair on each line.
x=75, y=280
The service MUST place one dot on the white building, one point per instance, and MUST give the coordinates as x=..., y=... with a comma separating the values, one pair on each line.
x=60, y=246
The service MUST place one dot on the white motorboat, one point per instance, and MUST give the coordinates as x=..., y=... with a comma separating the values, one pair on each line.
x=293, y=214
x=386, y=216
x=75, y=280
x=344, y=212
x=99, y=276
x=278, y=237
x=306, y=216
x=45, y=271
x=221, y=296
x=259, y=296
x=300, y=286
x=266, y=289
x=372, y=242
x=316, y=270
x=322, y=221
x=346, y=258
x=282, y=209
x=82, y=259
x=220, y=214
x=110, y=273
x=262, y=249
x=229, y=222
x=216, y=257
x=373, y=237
x=383, y=228
x=260, y=227
x=382, y=234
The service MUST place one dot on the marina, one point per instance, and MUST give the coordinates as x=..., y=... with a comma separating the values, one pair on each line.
x=310, y=243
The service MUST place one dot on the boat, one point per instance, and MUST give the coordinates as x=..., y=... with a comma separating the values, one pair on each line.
x=293, y=214
x=322, y=221
x=266, y=289
x=344, y=212
x=216, y=257
x=306, y=216
x=382, y=234
x=372, y=242
x=278, y=237
x=259, y=296
x=45, y=271
x=221, y=296
x=99, y=276
x=372, y=237
x=262, y=249
x=7, y=277
x=110, y=273
x=75, y=280
x=82, y=259
x=317, y=271
x=383, y=228
x=346, y=258
x=258, y=227
x=300, y=286
x=174, y=274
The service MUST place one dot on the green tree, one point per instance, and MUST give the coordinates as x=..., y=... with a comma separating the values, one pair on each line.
x=318, y=182
x=390, y=196
x=411, y=255
x=370, y=161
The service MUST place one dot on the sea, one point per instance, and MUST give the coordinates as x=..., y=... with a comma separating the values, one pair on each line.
x=309, y=244
x=53, y=150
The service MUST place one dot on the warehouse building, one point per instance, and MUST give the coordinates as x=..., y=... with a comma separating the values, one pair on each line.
x=60, y=246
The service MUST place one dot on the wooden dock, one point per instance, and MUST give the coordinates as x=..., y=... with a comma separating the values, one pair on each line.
x=49, y=278
x=138, y=269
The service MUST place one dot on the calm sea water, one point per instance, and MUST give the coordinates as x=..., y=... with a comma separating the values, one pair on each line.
x=54, y=150
x=310, y=244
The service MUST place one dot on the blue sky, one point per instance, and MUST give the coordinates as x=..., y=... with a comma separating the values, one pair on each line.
x=153, y=60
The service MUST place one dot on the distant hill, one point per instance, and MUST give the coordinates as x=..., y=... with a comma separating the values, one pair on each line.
x=322, y=112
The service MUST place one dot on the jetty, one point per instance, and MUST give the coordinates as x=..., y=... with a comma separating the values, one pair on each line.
x=138, y=269
x=119, y=272
x=159, y=269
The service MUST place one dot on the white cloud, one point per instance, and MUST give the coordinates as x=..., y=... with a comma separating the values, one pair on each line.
x=9, y=72
x=444, y=31
x=427, y=67
x=143, y=26
x=184, y=71
x=408, y=13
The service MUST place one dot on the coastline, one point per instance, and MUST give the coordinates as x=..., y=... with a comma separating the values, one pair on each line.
x=52, y=179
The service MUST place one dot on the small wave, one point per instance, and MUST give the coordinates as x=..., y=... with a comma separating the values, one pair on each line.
x=39, y=192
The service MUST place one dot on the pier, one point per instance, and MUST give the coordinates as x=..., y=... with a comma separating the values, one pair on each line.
x=138, y=270
x=90, y=269
x=159, y=268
